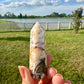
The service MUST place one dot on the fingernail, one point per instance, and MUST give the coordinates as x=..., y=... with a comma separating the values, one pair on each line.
x=57, y=80
x=25, y=75
x=19, y=67
x=22, y=72
x=53, y=69
x=59, y=75
x=51, y=72
x=67, y=82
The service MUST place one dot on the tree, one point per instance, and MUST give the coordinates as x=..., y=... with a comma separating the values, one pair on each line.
x=77, y=19
x=69, y=15
x=25, y=16
x=20, y=16
x=54, y=14
x=0, y=16
x=62, y=15
x=13, y=15
x=7, y=15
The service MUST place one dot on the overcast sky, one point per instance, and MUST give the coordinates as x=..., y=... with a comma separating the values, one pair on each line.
x=40, y=7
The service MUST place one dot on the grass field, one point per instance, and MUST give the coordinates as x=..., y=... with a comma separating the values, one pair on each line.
x=2, y=21
x=66, y=48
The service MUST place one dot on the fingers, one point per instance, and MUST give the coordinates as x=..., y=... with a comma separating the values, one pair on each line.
x=21, y=70
x=49, y=58
x=57, y=79
x=51, y=72
x=67, y=82
x=26, y=76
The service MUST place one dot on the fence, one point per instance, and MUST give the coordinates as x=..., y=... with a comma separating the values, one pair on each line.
x=15, y=26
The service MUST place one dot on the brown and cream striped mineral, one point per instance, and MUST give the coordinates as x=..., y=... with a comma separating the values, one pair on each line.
x=38, y=62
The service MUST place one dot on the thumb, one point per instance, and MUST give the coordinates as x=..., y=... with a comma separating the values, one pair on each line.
x=25, y=74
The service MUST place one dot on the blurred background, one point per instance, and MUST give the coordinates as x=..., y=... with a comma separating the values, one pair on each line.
x=63, y=21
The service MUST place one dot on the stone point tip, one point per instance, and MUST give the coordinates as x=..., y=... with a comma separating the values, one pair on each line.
x=37, y=23
x=36, y=26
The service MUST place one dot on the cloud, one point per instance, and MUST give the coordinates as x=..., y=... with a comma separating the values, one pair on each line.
x=67, y=0
x=5, y=0
x=33, y=3
x=45, y=10
x=79, y=1
x=42, y=10
x=1, y=4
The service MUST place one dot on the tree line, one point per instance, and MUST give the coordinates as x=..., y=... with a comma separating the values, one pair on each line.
x=12, y=15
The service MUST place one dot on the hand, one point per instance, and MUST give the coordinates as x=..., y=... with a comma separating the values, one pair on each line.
x=52, y=76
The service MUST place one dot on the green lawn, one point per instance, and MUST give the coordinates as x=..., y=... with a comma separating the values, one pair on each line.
x=2, y=21
x=66, y=48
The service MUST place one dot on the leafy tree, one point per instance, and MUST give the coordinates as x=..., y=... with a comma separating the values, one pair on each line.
x=25, y=16
x=69, y=15
x=77, y=19
x=62, y=15
x=0, y=16
x=13, y=15
x=20, y=16
x=54, y=14
x=7, y=15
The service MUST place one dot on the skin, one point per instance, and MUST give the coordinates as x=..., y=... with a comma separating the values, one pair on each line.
x=52, y=76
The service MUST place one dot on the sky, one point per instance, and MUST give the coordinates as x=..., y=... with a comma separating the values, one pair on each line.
x=39, y=7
